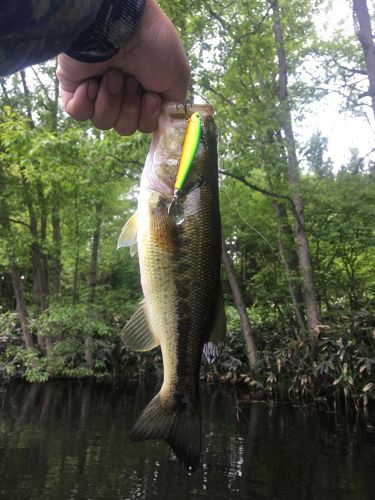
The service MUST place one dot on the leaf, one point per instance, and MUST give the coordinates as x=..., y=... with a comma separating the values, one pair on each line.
x=367, y=387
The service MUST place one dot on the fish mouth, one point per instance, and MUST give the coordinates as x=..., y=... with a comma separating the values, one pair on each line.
x=178, y=110
x=165, y=151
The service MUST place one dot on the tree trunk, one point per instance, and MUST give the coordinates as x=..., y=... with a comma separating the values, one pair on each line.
x=55, y=210
x=310, y=298
x=15, y=274
x=56, y=239
x=77, y=255
x=362, y=28
x=93, y=280
x=26, y=92
x=40, y=279
x=36, y=259
x=289, y=264
x=240, y=306
x=43, y=242
x=75, y=277
x=36, y=251
x=21, y=306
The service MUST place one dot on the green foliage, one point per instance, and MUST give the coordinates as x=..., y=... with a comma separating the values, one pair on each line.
x=17, y=361
x=65, y=184
x=56, y=176
x=336, y=366
x=9, y=330
x=340, y=213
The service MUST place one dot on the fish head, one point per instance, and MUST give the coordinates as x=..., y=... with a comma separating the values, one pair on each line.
x=163, y=160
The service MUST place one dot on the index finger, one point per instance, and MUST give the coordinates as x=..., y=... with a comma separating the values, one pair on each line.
x=80, y=103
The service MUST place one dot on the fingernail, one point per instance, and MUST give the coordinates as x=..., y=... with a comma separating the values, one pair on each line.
x=115, y=83
x=150, y=103
x=92, y=90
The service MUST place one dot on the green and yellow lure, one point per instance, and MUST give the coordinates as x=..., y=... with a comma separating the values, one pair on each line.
x=189, y=150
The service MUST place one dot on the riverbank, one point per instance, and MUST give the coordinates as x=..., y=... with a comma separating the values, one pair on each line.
x=332, y=368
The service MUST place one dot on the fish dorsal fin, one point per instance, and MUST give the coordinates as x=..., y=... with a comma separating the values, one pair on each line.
x=136, y=334
x=216, y=339
x=128, y=236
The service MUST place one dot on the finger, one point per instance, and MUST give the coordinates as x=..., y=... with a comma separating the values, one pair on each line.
x=150, y=111
x=178, y=90
x=80, y=104
x=108, y=101
x=127, y=121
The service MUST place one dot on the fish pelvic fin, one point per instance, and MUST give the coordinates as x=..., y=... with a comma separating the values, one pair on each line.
x=181, y=430
x=136, y=333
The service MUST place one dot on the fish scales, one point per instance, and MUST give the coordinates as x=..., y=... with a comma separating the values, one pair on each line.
x=180, y=276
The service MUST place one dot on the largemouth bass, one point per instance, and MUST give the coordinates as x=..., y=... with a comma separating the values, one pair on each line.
x=179, y=261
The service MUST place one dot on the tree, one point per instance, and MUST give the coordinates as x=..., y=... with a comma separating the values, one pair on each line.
x=311, y=303
x=61, y=183
x=315, y=154
x=241, y=308
x=362, y=28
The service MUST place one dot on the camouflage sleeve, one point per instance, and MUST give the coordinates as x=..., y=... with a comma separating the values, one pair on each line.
x=33, y=31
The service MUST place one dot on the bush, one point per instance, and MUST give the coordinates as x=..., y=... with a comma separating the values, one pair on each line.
x=336, y=365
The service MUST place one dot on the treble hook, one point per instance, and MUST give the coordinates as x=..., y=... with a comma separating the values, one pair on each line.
x=187, y=103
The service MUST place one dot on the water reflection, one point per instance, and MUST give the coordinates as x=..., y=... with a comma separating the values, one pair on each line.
x=69, y=441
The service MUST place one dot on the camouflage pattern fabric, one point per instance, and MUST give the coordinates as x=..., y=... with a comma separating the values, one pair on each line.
x=33, y=31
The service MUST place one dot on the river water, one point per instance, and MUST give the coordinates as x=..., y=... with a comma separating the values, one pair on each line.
x=68, y=440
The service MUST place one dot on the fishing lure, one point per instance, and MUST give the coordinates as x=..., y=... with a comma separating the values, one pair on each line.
x=189, y=150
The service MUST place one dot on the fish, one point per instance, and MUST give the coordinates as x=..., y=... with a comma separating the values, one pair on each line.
x=180, y=269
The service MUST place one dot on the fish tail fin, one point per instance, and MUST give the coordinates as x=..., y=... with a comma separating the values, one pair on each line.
x=182, y=431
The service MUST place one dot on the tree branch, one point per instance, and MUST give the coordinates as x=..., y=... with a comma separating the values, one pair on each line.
x=266, y=193
x=255, y=187
x=19, y=222
x=220, y=95
x=45, y=90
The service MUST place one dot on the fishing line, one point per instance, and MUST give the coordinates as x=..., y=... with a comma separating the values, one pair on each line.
x=222, y=189
x=248, y=224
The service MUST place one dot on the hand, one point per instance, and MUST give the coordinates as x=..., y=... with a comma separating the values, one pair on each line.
x=126, y=92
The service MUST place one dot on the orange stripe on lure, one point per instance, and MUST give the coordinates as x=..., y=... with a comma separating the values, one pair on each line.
x=189, y=150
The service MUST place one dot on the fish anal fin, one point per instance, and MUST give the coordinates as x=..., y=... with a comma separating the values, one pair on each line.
x=136, y=333
x=128, y=235
x=182, y=431
x=216, y=339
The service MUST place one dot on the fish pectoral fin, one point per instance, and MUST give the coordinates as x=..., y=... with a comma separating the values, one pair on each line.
x=216, y=339
x=128, y=236
x=133, y=249
x=163, y=230
x=181, y=430
x=136, y=334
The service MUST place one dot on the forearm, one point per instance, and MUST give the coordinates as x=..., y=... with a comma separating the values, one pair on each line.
x=89, y=30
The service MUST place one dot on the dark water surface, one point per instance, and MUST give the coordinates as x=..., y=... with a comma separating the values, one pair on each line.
x=69, y=441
